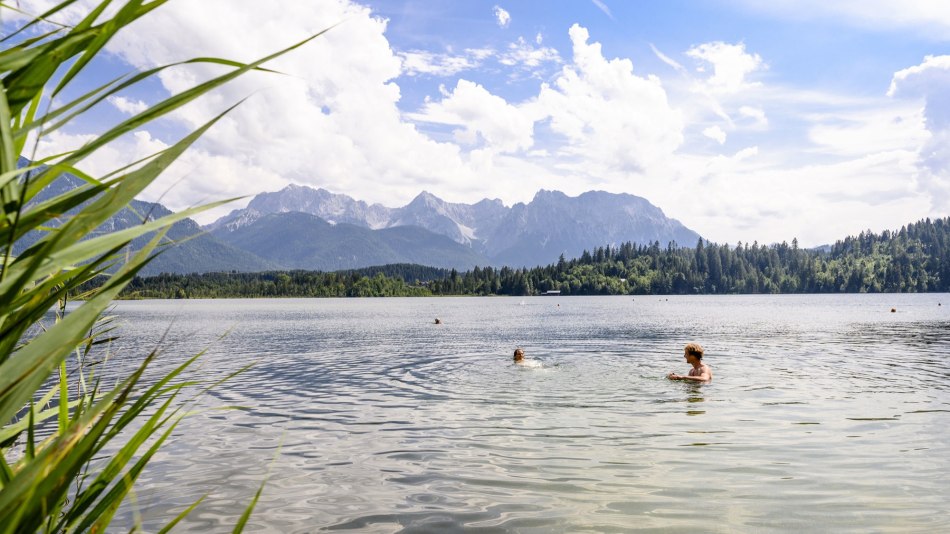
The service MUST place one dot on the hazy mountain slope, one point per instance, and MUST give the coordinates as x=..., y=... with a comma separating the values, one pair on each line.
x=553, y=224
x=525, y=234
x=303, y=241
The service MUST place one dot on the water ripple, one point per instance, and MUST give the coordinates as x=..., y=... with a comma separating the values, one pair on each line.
x=364, y=415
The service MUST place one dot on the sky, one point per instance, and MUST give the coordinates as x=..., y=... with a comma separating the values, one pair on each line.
x=745, y=120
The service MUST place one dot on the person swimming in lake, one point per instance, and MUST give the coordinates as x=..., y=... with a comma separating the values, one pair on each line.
x=519, y=359
x=519, y=355
x=700, y=371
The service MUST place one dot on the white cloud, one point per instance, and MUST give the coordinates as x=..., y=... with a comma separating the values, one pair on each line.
x=731, y=65
x=869, y=131
x=481, y=115
x=929, y=18
x=443, y=65
x=333, y=123
x=209, y=177
x=716, y=134
x=931, y=81
x=603, y=7
x=748, y=194
x=502, y=17
x=718, y=88
x=610, y=116
x=921, y=78
x=668, y=60
x=756, y=115
x=128, y=106
x=524, y=54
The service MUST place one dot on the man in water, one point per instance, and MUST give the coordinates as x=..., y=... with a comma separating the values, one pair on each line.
x=519, y=359
x=700, y=371
x=519, y=355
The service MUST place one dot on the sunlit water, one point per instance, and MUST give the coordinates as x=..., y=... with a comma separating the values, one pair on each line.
x=827, y=413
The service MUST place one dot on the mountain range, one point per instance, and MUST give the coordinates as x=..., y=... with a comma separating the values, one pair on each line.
x=313, y=229
x=486, y=233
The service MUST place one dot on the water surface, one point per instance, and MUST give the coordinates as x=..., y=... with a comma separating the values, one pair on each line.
x=827, y=413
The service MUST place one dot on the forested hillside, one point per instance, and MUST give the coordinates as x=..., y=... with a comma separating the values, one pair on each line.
x=915, y=258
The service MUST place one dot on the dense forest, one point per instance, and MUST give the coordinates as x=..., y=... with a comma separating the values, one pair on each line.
x=915, y=258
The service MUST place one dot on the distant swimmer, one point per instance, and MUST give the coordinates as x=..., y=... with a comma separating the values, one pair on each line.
x=438, y=321
x=519, y=355
x=519, y=359
x=700, y=371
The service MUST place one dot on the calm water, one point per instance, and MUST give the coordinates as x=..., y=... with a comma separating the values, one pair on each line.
x=827, y=413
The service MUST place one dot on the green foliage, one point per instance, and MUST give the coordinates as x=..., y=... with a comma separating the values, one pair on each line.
x=70, y=450
x=362, y=283
x=914, y=259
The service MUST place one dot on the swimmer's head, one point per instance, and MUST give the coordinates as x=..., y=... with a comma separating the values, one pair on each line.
x=519, y=354
x=694, y=349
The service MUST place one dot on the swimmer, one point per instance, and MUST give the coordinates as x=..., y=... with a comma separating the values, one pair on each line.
x=438, y=321
x=519, y=355
x=519, y=359
x=700, y=371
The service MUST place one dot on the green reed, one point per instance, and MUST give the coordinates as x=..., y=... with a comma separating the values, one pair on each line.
x=99, y=439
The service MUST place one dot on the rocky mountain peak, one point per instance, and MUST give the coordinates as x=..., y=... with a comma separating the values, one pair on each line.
x=535, y=233
x=425, y=199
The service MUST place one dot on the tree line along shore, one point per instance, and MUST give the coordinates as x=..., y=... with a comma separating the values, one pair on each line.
x=914, y=259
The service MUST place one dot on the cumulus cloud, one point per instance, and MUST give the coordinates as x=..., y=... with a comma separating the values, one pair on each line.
x=716, y=134
x=333, y=123
x=205, y=176
x=481, y=116
x=128, y=106
x=502, y=17
x=731, y=65
x=607, y=113
x=930, y=81
x=719, y=87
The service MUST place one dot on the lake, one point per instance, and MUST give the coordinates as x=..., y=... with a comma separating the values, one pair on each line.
x=827, y=413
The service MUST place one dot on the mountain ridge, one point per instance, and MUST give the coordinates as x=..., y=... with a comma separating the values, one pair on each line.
x=339, y=232
x=533, y=233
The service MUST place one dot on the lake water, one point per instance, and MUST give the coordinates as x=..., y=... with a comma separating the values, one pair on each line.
x=827, y=413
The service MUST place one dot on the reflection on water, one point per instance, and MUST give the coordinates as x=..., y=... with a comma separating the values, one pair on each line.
x=827, y=413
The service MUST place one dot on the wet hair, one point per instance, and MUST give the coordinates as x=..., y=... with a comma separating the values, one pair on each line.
x=519, y=354
x=695, y=349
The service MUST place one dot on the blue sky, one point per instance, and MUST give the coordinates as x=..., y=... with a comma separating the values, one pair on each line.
x=745, y=120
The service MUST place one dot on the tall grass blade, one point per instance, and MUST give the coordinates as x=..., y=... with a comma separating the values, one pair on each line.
x=64, y=482
x=45, y=17
x=171, y=524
